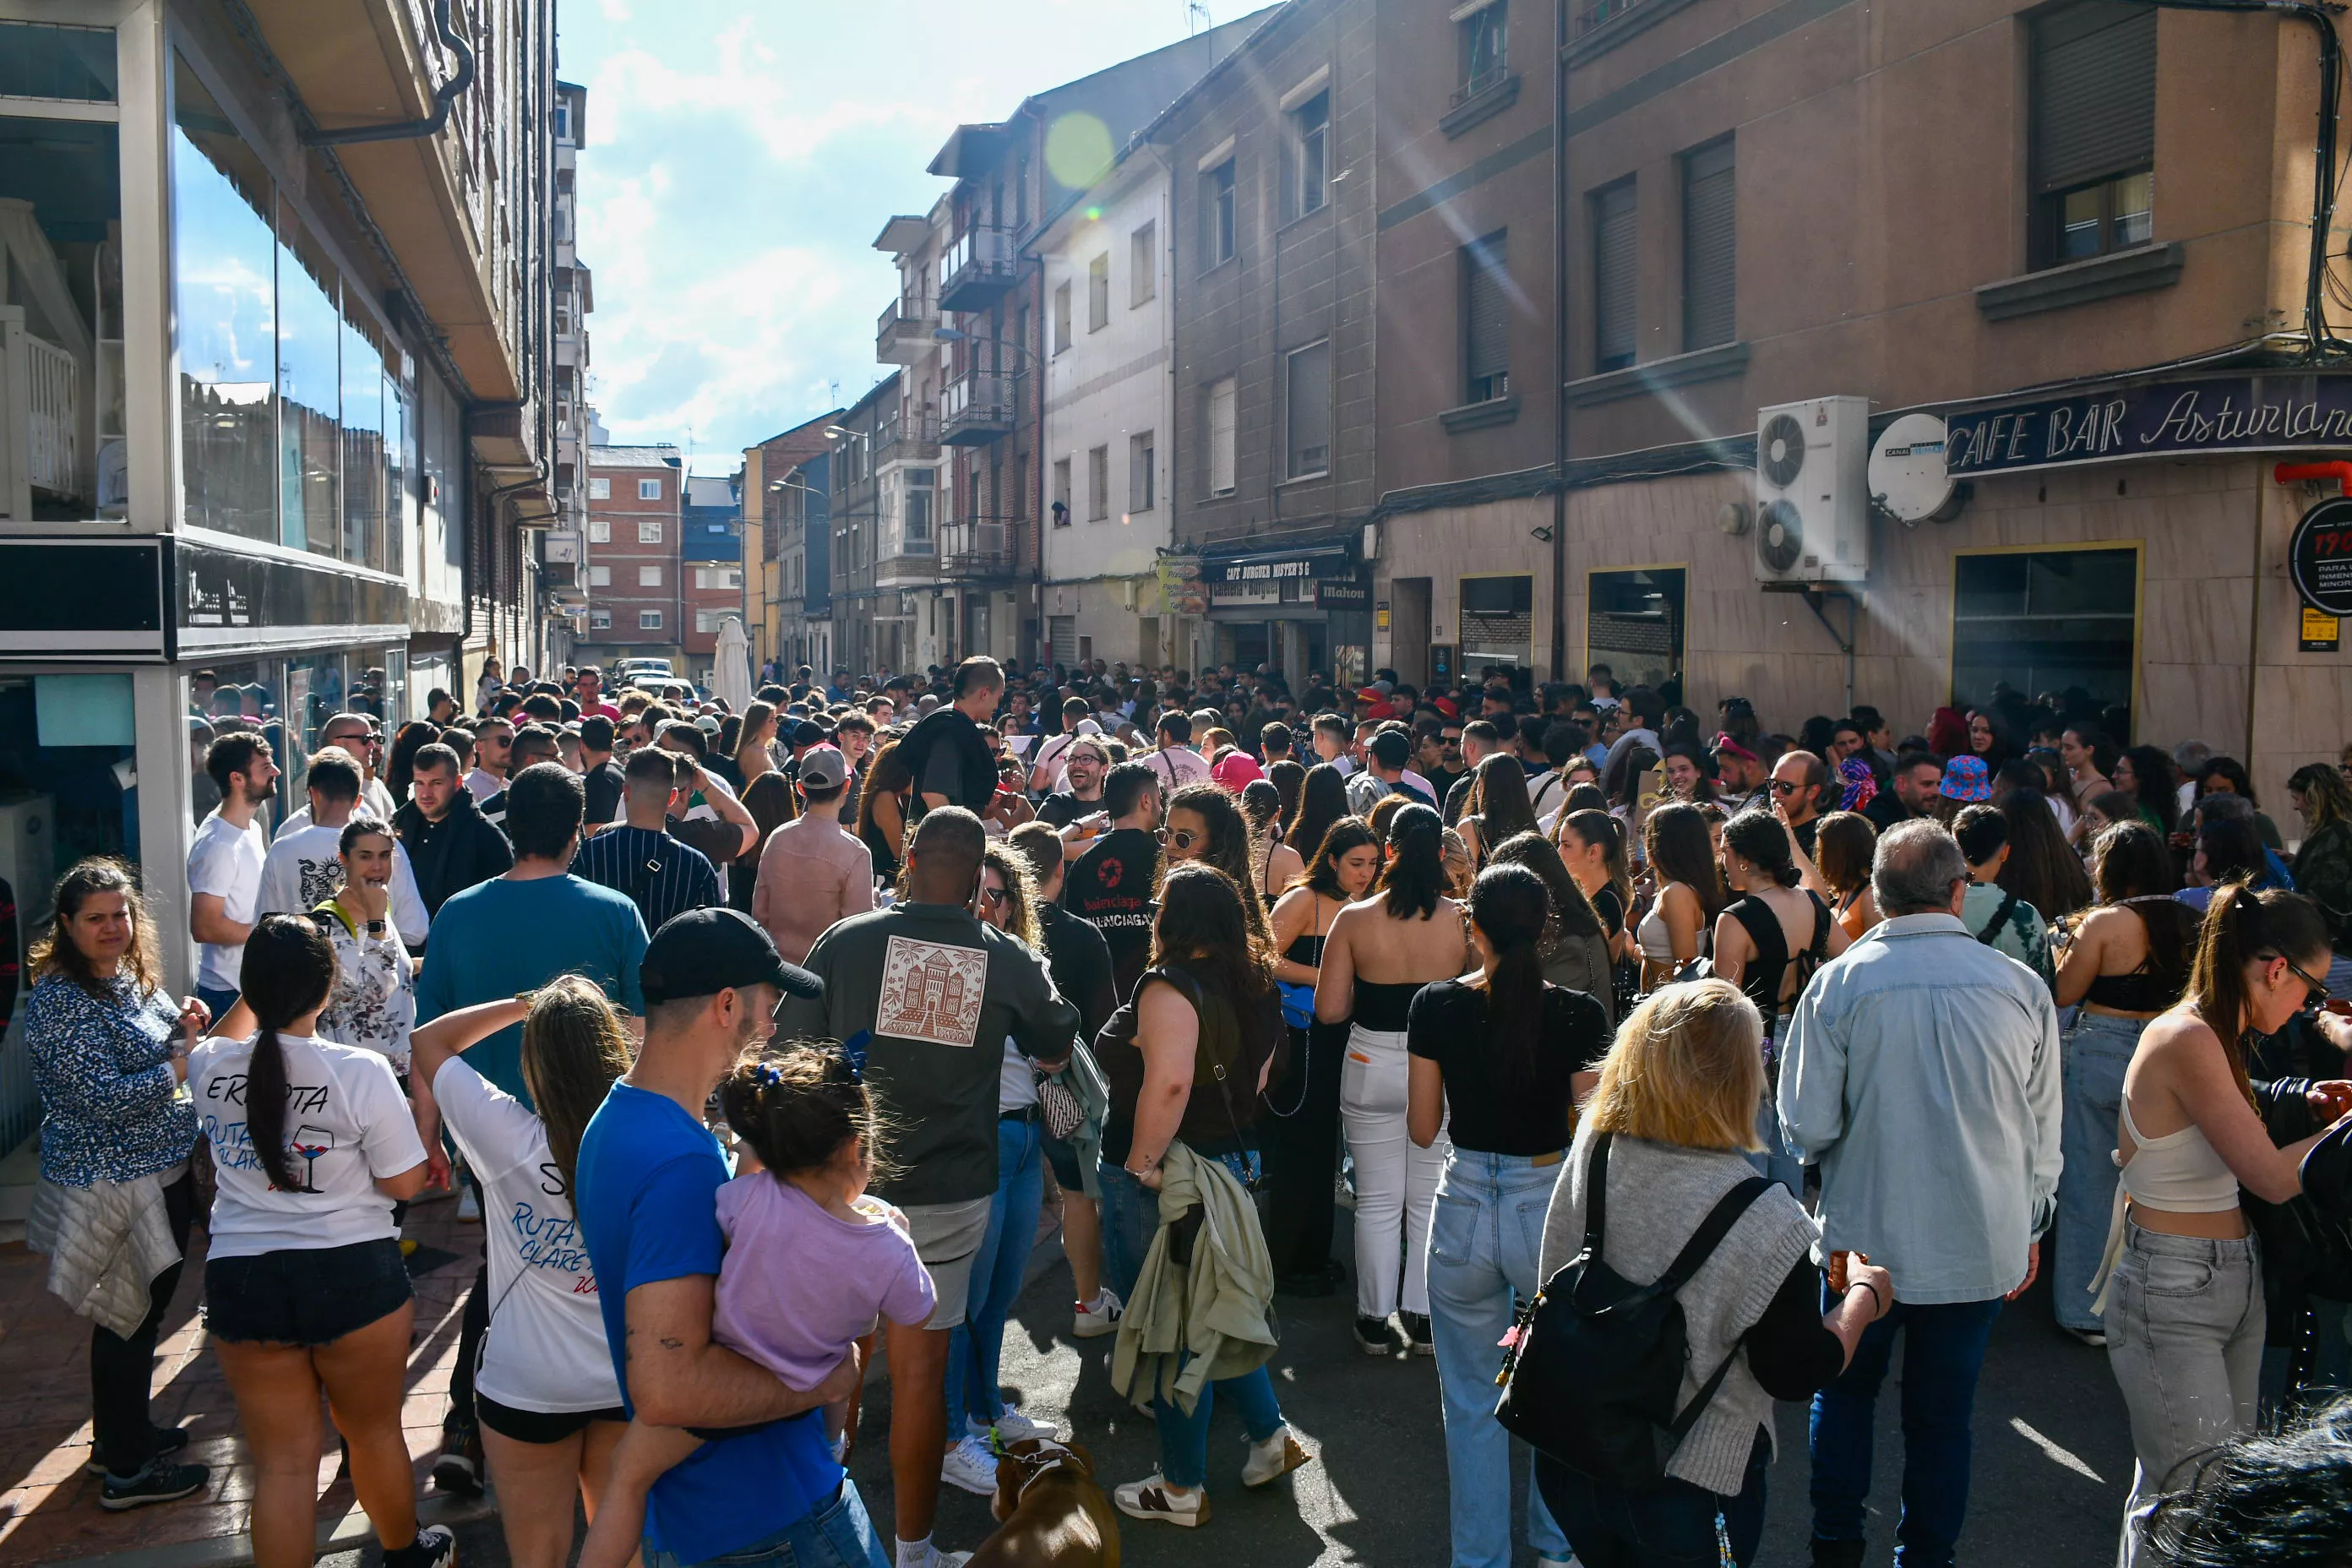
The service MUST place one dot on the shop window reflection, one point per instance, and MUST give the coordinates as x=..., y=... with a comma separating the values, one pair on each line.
x=61, y=447
x=224, y=263
x=309, y=388
x=363, y=427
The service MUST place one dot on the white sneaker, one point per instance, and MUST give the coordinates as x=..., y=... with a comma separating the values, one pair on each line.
x=1011, y=1426
x=1151, y=1497
x=469, y=1203
x=1276, y=1456
x=970, y=1466
x=1098, y=1317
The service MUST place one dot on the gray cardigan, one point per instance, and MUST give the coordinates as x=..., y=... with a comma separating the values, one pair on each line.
x=1658, y=1194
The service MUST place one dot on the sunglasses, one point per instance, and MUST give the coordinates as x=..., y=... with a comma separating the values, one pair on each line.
x=1183, y=838
x=1782, y=786
x=996, y=896
x=2319, y=991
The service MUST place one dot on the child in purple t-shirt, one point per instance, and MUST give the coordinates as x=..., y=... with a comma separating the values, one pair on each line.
x=811, y=1261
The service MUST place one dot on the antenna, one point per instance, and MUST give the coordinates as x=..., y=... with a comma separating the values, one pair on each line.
x=1196, y=17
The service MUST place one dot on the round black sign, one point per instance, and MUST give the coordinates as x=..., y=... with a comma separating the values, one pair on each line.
x=2320, y=557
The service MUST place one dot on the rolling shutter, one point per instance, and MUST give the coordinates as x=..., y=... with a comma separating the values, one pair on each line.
x=2094, y=93
x=1614, y=276
x=1710, y=247
x=1487, y=308
x=1061, y=632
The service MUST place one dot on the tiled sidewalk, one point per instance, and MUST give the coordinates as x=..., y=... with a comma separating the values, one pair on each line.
x=49, y=1507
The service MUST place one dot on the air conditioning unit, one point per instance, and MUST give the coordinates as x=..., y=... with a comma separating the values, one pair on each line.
x=1813, y=491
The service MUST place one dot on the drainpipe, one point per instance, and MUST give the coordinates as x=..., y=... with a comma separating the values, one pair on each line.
x=1559, y=343
x=445, y=96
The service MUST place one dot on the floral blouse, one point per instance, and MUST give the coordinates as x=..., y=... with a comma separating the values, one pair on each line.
x=111, y=1108
x=373, y=1005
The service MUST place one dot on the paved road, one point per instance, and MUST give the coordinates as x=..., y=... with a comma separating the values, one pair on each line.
x=2052, y=1457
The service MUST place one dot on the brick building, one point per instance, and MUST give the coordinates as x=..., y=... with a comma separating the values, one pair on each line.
x=635, y=517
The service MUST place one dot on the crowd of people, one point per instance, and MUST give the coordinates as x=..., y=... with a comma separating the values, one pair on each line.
x=755, y=1039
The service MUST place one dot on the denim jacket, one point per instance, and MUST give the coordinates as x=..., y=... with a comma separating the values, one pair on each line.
x=1921, y=1073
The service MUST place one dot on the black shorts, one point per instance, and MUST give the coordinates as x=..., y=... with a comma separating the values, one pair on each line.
x=538, y=1425
x=1064, y=1159
x=304, y=1296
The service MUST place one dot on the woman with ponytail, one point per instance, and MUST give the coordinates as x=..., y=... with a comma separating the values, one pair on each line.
x=2183, y=1287
x=1509, y=1057
x=304, y=1285
x=1381, y=952
x=546, y=1395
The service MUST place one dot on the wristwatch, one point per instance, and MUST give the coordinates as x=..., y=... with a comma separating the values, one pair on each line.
x=375, y=928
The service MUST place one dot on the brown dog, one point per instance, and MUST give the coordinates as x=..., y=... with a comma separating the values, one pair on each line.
x=1052, y=1512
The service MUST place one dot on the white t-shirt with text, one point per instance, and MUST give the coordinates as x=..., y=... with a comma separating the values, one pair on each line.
x=302, y=871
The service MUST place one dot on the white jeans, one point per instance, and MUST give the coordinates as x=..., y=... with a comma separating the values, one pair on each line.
x=1396, y=1184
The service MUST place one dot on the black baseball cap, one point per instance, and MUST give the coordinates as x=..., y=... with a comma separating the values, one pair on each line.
x=704, y=951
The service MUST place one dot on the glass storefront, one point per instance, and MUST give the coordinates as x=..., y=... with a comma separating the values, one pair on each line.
x=1634, y=623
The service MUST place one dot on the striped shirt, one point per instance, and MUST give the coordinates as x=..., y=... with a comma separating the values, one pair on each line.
x=661, y=876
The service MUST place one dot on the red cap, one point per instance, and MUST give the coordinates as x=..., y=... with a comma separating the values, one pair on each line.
x=1372, y=694
x=1445, y=705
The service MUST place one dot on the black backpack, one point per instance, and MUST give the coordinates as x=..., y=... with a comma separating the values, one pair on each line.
x=1596, y=1360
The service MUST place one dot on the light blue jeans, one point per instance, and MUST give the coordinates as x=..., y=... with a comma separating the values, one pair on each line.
x=976, y=1346
x=2092, y=1056
x=1484, y=1240
x=1130, y=1220
x=837, y=1533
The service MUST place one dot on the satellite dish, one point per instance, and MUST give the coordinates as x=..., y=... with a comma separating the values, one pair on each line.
x=1907, y=470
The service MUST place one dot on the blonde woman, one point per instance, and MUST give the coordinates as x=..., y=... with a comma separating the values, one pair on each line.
x=1666, y=1134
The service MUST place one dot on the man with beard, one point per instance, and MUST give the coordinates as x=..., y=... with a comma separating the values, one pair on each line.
x=450, y=844
x=1111, y=886
x=1085, y=762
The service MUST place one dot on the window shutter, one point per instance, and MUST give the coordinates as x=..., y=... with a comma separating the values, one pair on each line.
x=1063, y=632
x=1221, y=437
x=1710, y=248
x=1310, y=410
x=1613, y=275
x=2094, y=93
x=1487, y=308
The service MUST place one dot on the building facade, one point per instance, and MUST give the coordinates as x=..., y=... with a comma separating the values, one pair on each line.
x=562, y=548
x=868, y=631
x=635, y=522
x=787, y=540
x=710, y=565
x=293, y=426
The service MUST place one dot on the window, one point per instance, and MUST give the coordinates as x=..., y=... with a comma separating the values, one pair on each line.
x=599, y=576
x=1097, y=484
x=1710, y=248
x=1099, y=292
x=1142, y=480
x=1498, y=621
x=649, y=620
x=1310, y=153
x=1485, y=36
x=600, y=530
x=1634, y=623
x=649, y=489
x=649, y=531
x=923, y=492
x=1613, y=254
x=1486, y=320
x=1061, y=492
x=1217, y=215
x=718, y=576
x=2092, y=134
x=706, y=619
x=649, y=576
x=600, y=490
x=1307, y=407
x=2061, y=618
x=600, y=620
x=1221, y=437
x=1061, y=317
x=1142, y=264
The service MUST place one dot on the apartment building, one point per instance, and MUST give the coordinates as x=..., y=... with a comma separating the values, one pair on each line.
x=562, y=549
x=869, y=630
x=710, y=564
x=787, y=540
x=637, y=498
x=2027, y=224
x=285, y=427
x=1272, y=214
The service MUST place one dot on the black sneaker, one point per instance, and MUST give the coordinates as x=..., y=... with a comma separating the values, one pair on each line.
x=1374, y=1337
x=1418, y=1333
x=1837, y=1553
x=435, y=1546
x=160, y=1482
x=165, y=1442
x=457, y=1469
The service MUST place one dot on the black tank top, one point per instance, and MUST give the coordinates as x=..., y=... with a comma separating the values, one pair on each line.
x=1384, y=1006
x=1761, y=982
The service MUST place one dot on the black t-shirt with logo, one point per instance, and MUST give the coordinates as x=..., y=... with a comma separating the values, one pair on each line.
x=1110, y=887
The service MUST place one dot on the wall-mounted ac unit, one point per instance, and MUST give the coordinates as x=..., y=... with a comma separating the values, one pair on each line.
x=1813, y=491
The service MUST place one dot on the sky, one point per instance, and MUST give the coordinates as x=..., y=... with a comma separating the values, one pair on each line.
x=742, y=154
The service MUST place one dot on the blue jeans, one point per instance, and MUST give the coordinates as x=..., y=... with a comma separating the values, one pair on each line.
x=837, y=1534
x=1776, y=1161
x=1943, y=1355
x=2092, y=1058
x=976, y=1346
x=1130, y=1220
x=1667, y=1526
x=1484, y=1240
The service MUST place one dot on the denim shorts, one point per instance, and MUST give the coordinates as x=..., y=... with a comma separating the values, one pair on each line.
x=304, y=1296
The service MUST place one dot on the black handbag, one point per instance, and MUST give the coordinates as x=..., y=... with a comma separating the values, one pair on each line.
x=1595, y=1361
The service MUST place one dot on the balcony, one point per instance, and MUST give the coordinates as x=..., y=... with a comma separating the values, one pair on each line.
x=977, y=409
x=981, y=550
x=977, y=270
x=903, y=335
x=907, y=438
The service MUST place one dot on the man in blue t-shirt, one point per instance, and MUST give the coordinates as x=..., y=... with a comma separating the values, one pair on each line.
x=513, y=934
x=649, y=1174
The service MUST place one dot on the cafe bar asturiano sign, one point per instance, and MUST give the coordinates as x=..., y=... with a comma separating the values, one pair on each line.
x=2272, y=412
